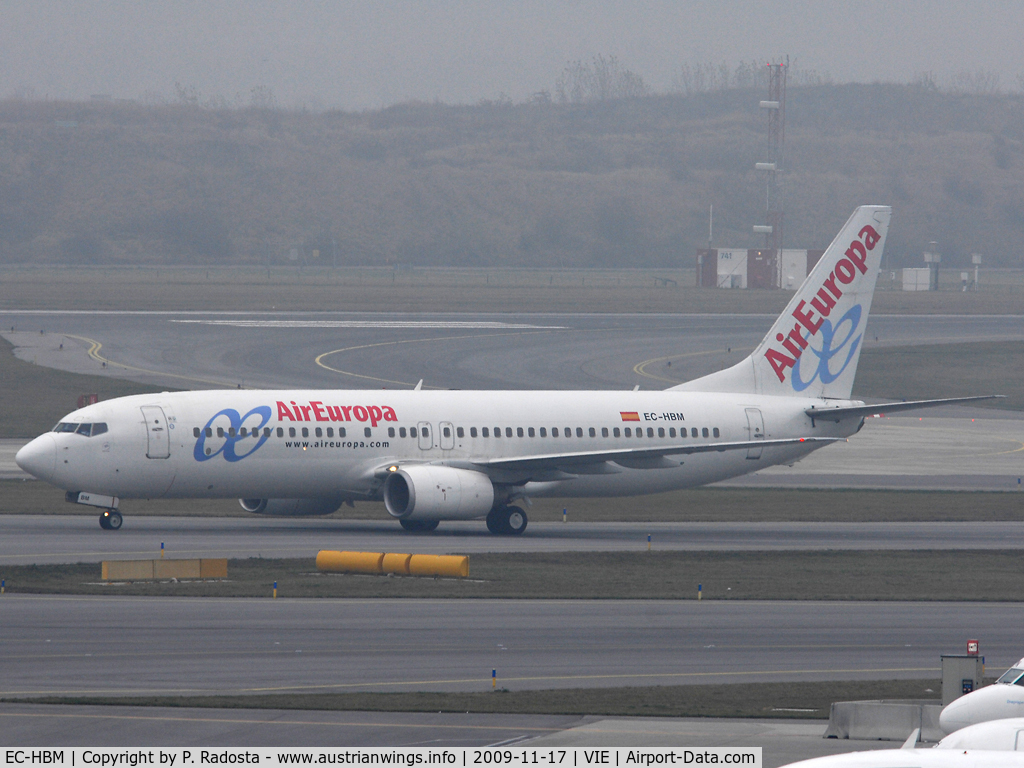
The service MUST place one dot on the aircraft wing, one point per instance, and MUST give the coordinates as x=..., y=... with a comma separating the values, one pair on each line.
x=556, y=466
x=860, y=411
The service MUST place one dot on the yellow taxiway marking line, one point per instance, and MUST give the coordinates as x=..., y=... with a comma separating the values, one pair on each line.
x=640, y=368
x=461, y=681
x=319, y=360
x=94, y=353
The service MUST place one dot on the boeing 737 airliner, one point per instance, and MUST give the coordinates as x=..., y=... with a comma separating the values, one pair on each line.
x=434, y=456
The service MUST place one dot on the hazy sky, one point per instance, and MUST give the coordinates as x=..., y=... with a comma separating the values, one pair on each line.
x=358, y=55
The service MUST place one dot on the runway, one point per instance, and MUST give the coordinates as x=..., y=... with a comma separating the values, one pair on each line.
x=41, y=539
x=202, y=646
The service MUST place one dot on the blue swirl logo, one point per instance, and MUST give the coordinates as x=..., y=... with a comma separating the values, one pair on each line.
x=828, y=351
x=232, y=436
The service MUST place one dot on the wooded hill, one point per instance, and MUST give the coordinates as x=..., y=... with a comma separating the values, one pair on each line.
x=623, y=182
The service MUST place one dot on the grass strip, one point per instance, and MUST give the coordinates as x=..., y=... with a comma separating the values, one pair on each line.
x=803, y=700
x=983, y=576
x=712, y=505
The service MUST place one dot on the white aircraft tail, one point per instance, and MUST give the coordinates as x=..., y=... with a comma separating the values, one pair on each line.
x=813, y=348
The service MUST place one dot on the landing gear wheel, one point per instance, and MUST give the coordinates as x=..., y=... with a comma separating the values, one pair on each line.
x=496, y=520
x=515, y=521
x=419, y=526
x=111, y=520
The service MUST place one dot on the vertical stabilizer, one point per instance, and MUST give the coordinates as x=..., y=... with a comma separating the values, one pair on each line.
x=813, y=348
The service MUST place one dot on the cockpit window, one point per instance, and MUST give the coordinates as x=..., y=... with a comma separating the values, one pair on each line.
x=1011, y=676
x=89, y=430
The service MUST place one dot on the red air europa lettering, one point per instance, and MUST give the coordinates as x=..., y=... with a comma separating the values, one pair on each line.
x=810, y=316
x=320, y=412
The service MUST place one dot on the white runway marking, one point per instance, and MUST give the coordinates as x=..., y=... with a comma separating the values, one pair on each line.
x=398, y=324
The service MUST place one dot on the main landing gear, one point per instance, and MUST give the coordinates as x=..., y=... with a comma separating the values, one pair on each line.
x=419, y=526
x=506, y=521
x=111, y=520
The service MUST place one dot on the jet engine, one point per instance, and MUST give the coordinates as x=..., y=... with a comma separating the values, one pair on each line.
x=430, y=492
x=290, y=507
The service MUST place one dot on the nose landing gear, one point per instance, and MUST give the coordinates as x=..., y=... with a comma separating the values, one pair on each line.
x=111, y=520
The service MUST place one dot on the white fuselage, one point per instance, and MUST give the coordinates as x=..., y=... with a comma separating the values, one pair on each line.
x=333, y=443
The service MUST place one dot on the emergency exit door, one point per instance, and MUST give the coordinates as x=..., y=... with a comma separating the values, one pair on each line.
x=426, y=439
x=157, y=434
x=755, y=427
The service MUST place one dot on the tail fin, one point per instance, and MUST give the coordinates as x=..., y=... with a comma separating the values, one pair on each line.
x=813, y=348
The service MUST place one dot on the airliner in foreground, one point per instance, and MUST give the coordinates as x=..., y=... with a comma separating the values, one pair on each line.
x=460, y=455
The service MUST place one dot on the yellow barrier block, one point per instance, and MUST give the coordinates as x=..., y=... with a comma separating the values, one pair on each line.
x=396, y=563
x=439, y=565
x=116, y=570
x=144, y=570
x=349, y=562
x=213, y=568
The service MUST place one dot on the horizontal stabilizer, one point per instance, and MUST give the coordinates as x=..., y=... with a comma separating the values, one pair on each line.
x=860, y=411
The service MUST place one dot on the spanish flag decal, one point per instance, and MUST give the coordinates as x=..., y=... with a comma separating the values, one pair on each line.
x=629, y=415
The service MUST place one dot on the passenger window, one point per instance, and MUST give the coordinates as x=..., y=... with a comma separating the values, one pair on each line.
x=485, y=432
x=291, y=431
x=640, y=431
x=628, y=432
x=195, y=432
x=220, y=431
x=231, y=431
x=593, y=432
x=531, y=433
x=209, y=432
x=99, y=428
x=579, y=431
x=401, y=432
x=519, y=431
x=368, y=433
x=554, y=431
x=319, y=432
x=243, y=432
x=715, y=432
x=671, y=431
x=425, y=431
x=568, y=431
x=341, y=431
x=693, y=432
x=412, y=432
x=391, y=431
x=704, y=432
x=330, y=431
x=266, y=431
x=543, y=432
x=604, y=431
x=508, y=431
x=305, y=431
x=280, y=431
x=497, y=431
x=460, y=432
x=472, y=431
x=615, y=432
x=447, y=431
x=661, y=431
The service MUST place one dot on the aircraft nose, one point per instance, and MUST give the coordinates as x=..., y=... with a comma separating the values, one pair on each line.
x=954, y=716
x=39, y=457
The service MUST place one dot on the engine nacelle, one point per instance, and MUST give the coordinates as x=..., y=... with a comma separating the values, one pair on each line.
x=290, y=507
x=426, y=491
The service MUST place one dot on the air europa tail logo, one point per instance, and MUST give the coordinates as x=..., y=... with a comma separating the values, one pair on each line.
x=795, y=343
